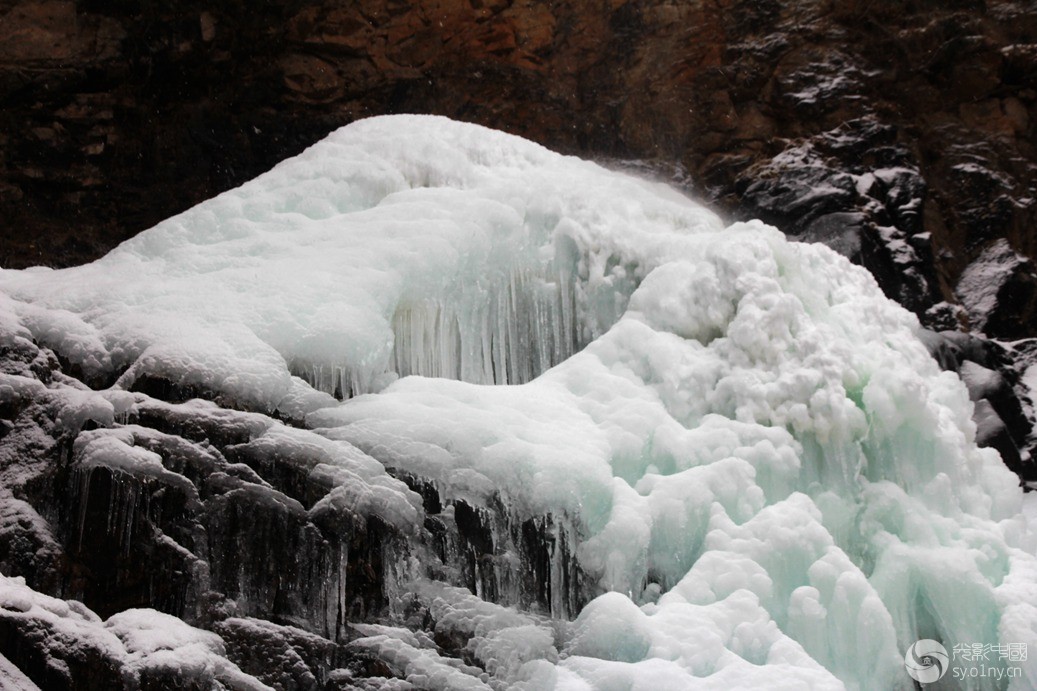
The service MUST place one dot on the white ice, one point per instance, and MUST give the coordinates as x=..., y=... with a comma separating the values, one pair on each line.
x=769, y=480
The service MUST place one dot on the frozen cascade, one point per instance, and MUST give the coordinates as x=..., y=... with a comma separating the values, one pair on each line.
x=713, y=458
x=499, y=331
x=396, y=270
x=503, y=334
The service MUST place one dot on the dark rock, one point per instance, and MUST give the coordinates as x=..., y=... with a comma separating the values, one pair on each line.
x=472, y=526
x=992, y=431
x=796, y=195
x=1004, y=414
x=53, y=659
x=855, y=190
x=28, y=547
x=999, y=291
x=280, y=656
x=125, y=516
x=131, y=562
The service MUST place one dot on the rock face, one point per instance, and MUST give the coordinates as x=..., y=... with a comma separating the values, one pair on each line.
x=200, y=547
x=900, y=134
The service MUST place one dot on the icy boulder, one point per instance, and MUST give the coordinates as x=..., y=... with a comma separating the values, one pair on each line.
x=700, y=456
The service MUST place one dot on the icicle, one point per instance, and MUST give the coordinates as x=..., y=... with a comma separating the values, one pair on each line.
x=126, y=524
x=84, y=477
x=113, y=505
x=341, y=589
x=507, y=332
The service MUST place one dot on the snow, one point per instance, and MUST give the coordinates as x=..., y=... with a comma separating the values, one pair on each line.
x=137, y=641
x=12, y=678
x=1029, y=380
x=155, y=641
x=509, y=644
x=764, y=477
x=416, y=659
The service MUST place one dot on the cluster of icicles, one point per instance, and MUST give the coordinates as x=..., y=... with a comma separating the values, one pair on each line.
x=509, y=332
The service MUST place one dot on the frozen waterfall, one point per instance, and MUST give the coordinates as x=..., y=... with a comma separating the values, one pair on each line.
x=665, y=452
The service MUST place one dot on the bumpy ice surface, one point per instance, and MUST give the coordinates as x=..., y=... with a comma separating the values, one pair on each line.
x=764, y=476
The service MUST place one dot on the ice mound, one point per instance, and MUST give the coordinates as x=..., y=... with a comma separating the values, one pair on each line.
x=763, y=476
x=396, y=246
x=762, y=439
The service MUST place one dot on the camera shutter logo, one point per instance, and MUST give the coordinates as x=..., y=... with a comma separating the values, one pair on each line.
x=926, y=661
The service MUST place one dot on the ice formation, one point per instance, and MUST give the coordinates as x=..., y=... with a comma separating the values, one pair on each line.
x=722, y=459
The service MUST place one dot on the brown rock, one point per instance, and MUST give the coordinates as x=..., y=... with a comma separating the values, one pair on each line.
x=311, y=78
x=207, y=26
x=987, y=115
x=43, y=31
x=1016, y=114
